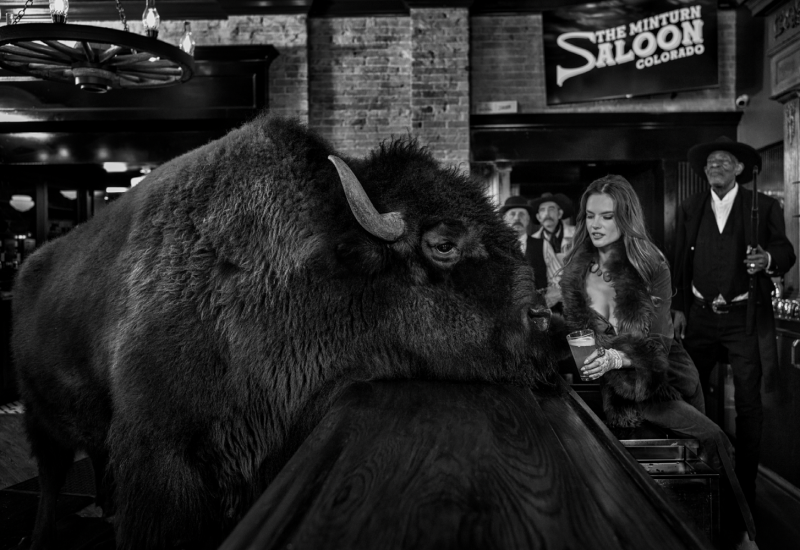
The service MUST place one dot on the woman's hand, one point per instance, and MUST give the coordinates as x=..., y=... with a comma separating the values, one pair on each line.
x=601, y=361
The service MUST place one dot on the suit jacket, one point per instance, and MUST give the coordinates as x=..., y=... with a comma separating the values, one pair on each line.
x=771, y=237
x=534, y=253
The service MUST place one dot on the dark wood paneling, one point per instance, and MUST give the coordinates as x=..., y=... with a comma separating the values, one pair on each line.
x=780, y=446
x=595, y=136
x=438, y=465
x=359, y=8
x=507, y=7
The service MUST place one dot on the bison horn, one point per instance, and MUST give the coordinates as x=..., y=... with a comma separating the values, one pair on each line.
x=389, y=227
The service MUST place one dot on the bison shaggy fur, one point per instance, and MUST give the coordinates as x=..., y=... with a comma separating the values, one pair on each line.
x=192, y=333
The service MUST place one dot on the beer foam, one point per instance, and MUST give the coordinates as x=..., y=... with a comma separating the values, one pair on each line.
x=582, y=341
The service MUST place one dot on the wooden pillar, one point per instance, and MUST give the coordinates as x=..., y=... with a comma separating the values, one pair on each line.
x=783, y=36
x=504, y=178
x=42, y=219
x=83, y=206
x=791, y=179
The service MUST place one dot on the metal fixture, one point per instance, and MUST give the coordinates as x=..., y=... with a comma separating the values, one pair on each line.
x=96, y=59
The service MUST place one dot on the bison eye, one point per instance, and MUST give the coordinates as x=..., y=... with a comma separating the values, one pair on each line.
x=445, y=248
x=445, y=254
x=443, y=245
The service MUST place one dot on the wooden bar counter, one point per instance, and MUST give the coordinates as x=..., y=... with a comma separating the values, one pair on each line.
x=411, y=464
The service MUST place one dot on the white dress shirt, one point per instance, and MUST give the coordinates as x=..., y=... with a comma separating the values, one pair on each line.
x=722, y=210
x=722, y=206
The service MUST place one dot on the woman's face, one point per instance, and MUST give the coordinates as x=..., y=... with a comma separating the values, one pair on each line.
x=601, y=221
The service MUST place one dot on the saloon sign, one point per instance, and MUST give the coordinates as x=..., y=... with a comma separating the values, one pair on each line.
x=629, y=48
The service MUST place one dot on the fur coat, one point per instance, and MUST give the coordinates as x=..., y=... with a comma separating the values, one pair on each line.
x=636, y=308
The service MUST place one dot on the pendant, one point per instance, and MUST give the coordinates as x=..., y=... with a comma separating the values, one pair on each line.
x=595, y=269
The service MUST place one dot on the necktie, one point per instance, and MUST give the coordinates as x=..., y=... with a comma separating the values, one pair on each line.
x=552, y=262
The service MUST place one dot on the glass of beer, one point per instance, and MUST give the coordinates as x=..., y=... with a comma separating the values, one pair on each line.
x=581, y=344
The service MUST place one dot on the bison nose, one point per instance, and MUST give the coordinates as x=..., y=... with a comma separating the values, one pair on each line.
x=540, y=317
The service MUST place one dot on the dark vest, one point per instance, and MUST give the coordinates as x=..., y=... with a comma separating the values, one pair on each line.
x=719, y=257
x=556, y=237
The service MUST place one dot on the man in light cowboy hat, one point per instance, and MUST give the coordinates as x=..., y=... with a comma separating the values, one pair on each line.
x=712, y=270
x=551, y=241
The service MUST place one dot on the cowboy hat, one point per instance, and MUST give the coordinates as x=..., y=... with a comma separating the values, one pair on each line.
x=516, y=201
x=563, y=202
x=743, y=153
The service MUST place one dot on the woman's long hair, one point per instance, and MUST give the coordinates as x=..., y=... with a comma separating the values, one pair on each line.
x=643, y=255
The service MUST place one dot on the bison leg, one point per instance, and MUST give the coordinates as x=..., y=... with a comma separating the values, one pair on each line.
x=54, y=461
x=162, y=500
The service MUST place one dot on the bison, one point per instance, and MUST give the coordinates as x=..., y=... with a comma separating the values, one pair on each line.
x=191, y=334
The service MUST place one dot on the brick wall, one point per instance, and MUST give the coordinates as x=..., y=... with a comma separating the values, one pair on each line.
x=377, y=77
x=440, y=86
x=508, y=64
x=360, y=80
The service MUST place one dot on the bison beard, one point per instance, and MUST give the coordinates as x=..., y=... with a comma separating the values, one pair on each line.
x=192, y=334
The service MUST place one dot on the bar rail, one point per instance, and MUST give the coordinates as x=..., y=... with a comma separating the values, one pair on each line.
x=419, y=464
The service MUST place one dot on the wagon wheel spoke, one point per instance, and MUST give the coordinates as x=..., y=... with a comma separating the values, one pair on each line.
x=87, y=48
x=130, y=77
x=51, y=72
x=152, y=76
x=21, y=54
x=28, y=59
x=73, y=53
x=110, y=53
x=44, y=50
x=148, y=68
x=129, y=59
x=159, y=63
x=48, y=67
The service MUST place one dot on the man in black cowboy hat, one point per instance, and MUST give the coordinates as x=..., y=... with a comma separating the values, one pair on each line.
x=518, y=214
x=712, y=270
x=550, y=242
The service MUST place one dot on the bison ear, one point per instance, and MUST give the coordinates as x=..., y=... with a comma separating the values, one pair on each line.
x=360, y=254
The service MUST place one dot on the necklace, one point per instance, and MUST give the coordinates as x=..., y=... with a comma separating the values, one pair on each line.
x=595, y=269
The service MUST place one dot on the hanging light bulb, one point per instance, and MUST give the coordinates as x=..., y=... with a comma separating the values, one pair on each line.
x=58, y=10
x=187, y=41
x=151, y=19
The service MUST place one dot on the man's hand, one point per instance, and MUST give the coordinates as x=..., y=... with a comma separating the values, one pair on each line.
x=757, y=260
x=679, y=323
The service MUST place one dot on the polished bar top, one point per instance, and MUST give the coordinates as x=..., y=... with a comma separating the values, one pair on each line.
x=412, y=464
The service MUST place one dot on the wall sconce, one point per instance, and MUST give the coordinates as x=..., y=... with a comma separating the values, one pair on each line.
x=21, y=203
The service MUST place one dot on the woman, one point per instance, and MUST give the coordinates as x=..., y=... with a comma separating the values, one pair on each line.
x=617, y=282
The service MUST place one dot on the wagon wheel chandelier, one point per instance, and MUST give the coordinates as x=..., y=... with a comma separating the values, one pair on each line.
x=95, y=58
